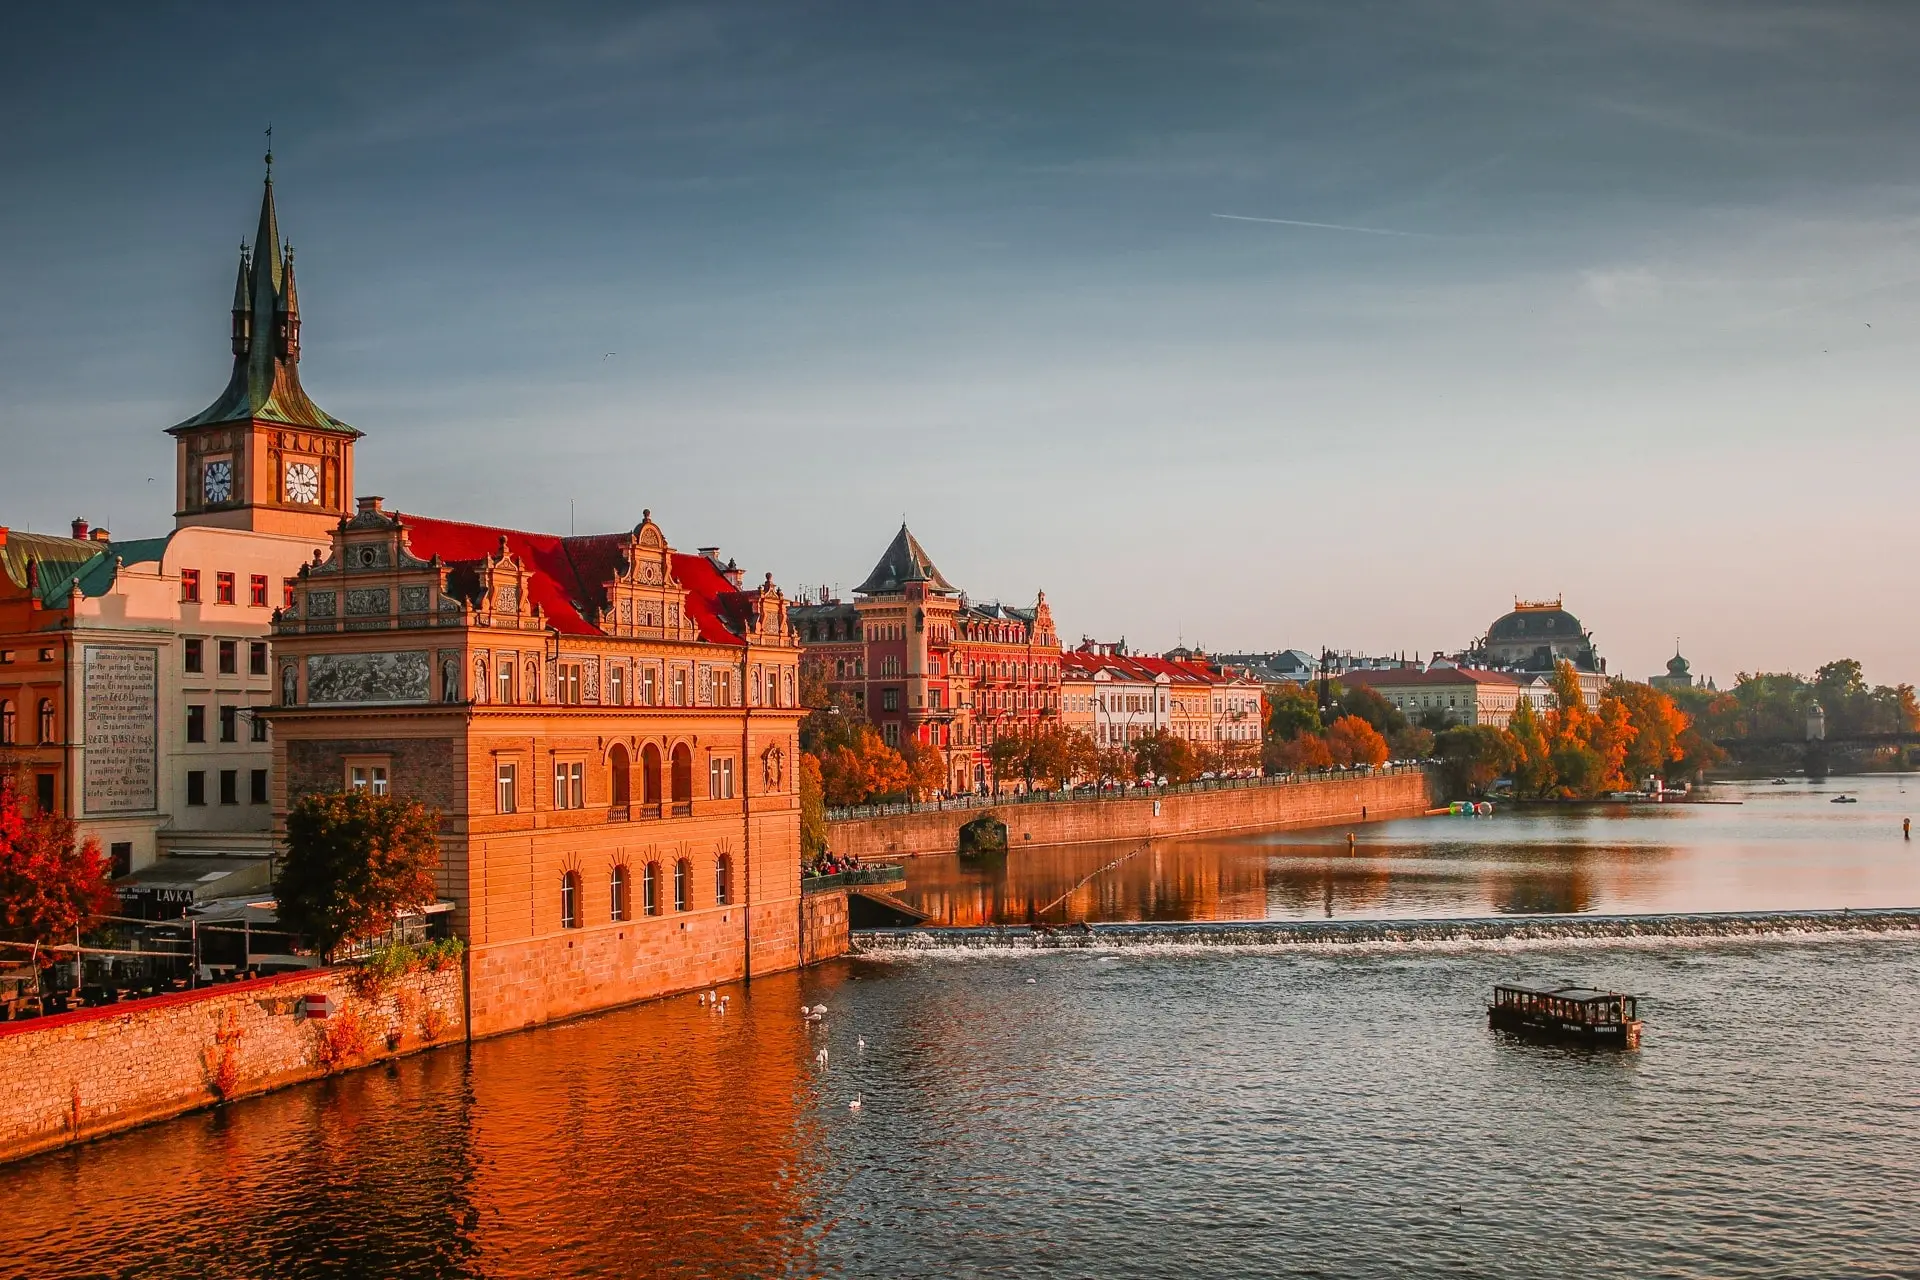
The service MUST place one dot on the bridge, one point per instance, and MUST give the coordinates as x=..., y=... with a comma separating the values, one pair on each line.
x=1815, y=752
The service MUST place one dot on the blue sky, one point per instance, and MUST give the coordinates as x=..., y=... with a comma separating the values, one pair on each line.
x=784, y=273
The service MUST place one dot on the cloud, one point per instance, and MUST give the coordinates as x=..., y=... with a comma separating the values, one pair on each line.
x=1621, y=289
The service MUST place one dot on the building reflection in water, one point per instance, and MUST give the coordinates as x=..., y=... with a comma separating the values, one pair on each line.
x=683, y=1139
x=1405, y=869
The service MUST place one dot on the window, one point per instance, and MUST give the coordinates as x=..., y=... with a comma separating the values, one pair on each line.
x=720, y=777
x=567, y=683
x=257, y=658
x=570, y=900
x=229, y=724
x=889, y=699
x=682, y=779
x=190, y=586
x=723, y=688
x=43, y=792
x=257, y=591
x=7, y=726
x=891, y=734
x=569, y=785
x=196, y=787
x=619, y=777
x=680, y=687
x=650, y=889
x=505, y=779
x=194, y=656
x=617, y=894
x=617, y=686
x=371, y=778
x=506, y=682
x=229, y=786
x=223, y=588
x=46, y=720
x=723, y=880
x=286, y=592
x=257, y=787
x=682, y=873
x=229, y=657
x=650, y=687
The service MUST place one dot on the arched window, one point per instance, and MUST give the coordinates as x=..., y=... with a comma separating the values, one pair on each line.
x=7, y=725
x=650, y=889
x=46, y=719
x=650, y=777
x=617, y=896
x=682, y=883
x=619, y=777
x=723, y=880
x=682, y=776
x=570, y=900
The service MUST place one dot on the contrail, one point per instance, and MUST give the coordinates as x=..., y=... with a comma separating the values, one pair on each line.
x=1324, y=226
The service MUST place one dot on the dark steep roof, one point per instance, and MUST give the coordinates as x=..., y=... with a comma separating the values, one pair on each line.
x=265, y=383
x=905, y=561
x=1536, y=624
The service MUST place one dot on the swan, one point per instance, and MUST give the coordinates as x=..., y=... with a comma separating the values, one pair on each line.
x=860, y=1042
x=819, y=1011
x=855, y=1104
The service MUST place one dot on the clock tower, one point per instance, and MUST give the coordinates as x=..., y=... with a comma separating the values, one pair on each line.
x=263, y=456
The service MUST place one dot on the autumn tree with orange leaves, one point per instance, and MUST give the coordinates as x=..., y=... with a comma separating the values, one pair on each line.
x=51, y=882
x=1351, y=741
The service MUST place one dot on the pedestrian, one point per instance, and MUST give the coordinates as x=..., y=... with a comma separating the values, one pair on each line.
x=1906, y=828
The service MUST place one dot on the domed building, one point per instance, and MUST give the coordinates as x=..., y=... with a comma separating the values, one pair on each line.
x=1537, y=636
x=1679, y=674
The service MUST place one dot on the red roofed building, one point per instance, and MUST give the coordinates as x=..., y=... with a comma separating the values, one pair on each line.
x=608, y=727
x=1460, y=695
x=927, y=665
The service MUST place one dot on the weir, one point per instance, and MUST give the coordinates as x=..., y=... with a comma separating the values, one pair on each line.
x=1281, y=933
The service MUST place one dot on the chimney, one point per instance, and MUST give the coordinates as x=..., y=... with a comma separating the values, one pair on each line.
x=735, y=574
x=101, y=535
x=366, y=505
x=80, y=530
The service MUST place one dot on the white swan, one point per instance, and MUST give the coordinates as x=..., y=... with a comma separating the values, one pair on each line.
x=860, y=1042
x=855, y=1104
x=819, y=1011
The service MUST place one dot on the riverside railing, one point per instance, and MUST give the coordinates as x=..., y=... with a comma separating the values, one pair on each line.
x=891, y=873
x=1131, y=792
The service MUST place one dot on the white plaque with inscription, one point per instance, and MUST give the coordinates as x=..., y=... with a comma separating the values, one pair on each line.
x=121, y=688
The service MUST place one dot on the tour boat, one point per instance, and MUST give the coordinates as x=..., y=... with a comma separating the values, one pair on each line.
x=1580, y=1014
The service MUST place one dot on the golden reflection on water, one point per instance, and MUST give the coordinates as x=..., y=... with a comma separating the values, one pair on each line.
x=1780, y=849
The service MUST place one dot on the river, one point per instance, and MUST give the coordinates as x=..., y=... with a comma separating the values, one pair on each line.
x=1125, y=1113
x=1768, y=848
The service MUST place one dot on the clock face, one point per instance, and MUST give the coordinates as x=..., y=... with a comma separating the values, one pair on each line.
x=303, y=482
x=216, y=481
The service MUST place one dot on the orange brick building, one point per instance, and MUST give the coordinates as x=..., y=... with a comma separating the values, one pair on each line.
x=608, y=726
x=925, y=663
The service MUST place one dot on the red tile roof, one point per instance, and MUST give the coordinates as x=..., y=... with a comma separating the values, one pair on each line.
x=1408, y=677
x=570, y=575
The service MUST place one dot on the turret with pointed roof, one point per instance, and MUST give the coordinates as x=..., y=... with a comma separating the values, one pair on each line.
x=905, y=561
x=263, y=455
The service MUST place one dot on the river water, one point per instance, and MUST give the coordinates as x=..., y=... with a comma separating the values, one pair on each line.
x=1332, y=1111
x=1779, y=848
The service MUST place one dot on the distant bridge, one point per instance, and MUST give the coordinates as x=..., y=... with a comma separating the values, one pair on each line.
x=1848, y=740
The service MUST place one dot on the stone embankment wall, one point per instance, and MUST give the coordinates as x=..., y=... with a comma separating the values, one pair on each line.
x=824, y=929
x=1089, y=821
x=81, y=1075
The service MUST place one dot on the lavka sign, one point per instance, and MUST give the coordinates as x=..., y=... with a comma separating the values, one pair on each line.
x=122, y=704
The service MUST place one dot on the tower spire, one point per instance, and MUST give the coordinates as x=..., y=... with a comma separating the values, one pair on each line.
x=242, y=309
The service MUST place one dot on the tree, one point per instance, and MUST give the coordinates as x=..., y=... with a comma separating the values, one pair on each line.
x=1415, y=742
x=1301, y=754
x=813, y=808
x=1351, y=740
x=926, y=767
x=1291, y=711
x=51, y=883
x=1372, y=706
x=1474, y=756
x=355, y=861
x=1658, y=725
x=1166, y=755
x=862, y=768
x=1532, y=770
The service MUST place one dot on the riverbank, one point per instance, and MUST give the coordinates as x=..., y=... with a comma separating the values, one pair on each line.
x=1303, y=933
x=1268, y=804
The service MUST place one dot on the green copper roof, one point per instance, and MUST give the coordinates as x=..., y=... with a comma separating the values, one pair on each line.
x=60, y=563
x=265, y=383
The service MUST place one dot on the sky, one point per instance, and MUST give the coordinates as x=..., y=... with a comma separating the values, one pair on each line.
x=1249, y=325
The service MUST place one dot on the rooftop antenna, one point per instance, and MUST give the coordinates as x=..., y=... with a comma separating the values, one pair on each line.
x=569, y=517
x=269, y=148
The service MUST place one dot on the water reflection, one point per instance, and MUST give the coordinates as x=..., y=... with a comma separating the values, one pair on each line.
x=695, y=1128
x=1780, y=848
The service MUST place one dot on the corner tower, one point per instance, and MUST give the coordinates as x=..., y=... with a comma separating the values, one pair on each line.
x=264, y=456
